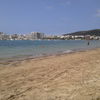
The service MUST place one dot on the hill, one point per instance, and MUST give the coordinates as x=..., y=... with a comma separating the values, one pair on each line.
x=95, y=32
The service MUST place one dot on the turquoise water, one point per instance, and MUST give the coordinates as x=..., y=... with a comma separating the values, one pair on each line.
x=27, y=48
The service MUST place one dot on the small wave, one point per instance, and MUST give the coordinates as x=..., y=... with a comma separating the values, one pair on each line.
x=68, y=51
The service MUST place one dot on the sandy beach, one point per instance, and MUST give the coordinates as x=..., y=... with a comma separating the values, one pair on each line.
x=74, y=76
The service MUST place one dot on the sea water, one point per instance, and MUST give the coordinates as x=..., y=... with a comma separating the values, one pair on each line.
x=36, y=48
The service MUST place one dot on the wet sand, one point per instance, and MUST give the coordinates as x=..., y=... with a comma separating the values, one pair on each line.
x=74, y=76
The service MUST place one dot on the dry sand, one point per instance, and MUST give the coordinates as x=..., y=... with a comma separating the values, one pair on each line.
x=74, y=76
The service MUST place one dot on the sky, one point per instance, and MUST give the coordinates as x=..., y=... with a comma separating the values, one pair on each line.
x=49, y=16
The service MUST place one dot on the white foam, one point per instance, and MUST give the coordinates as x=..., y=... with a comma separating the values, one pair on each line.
x=68, y=51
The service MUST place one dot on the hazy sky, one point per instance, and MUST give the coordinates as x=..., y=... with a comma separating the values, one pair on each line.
x=49, y=16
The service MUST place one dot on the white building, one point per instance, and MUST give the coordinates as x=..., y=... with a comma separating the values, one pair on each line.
x=35, y=35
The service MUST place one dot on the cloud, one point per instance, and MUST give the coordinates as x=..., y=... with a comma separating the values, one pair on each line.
x=66, y=2
x=49, y=7
x=98, y=13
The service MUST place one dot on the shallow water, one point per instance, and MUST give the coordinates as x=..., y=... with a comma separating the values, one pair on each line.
x=36, y=48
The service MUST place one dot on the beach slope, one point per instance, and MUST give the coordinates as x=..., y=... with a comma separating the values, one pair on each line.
x=74, y=76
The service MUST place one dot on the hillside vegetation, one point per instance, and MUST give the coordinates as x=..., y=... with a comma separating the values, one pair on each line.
x=95, y=32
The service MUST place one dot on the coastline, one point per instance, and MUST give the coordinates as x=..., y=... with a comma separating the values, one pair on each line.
x=43, y=56
x=72, y=76
x=20, y=50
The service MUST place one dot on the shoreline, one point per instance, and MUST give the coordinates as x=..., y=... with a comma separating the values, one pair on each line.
x=42, y=49
x=6, y=61
x=3, y=61
x=74, y=76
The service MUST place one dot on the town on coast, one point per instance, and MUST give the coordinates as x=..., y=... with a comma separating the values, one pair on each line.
x=80, y=35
